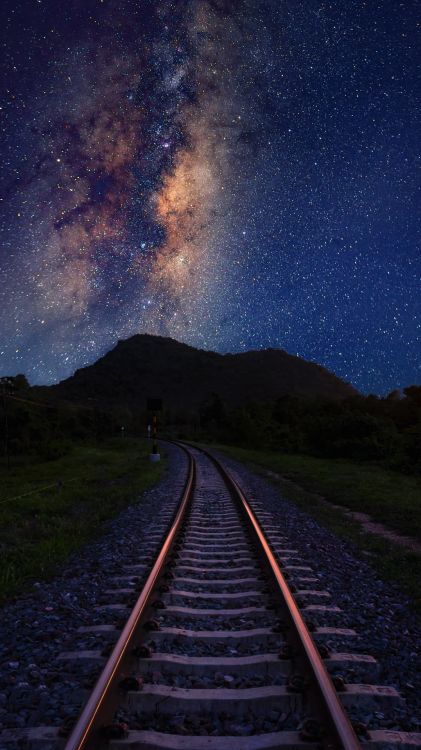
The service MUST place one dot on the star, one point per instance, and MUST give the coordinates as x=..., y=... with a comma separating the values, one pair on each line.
x=234, y=175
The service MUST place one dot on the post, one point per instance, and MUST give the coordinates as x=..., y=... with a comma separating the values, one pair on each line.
x=4, y=384
x=154, y=405
x=154, y=456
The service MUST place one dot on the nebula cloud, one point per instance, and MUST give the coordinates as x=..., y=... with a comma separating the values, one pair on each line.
x=229, y=173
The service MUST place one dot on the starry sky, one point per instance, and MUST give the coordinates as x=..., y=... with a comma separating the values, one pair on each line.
x=234, y=174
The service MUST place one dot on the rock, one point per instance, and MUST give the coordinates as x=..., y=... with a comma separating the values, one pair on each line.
x=228, y=679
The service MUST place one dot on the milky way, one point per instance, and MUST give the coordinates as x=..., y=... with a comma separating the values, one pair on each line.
x=232, y=174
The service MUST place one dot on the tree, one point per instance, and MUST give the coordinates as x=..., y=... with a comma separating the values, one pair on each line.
x=11, y=383
x=413, y=393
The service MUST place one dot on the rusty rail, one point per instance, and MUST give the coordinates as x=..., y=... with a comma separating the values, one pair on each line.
x=335, y=714
x=99, y=709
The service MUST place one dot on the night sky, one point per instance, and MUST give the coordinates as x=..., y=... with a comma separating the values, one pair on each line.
x=231, y=173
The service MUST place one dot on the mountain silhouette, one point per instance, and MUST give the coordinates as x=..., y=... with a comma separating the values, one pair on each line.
x=146, y=366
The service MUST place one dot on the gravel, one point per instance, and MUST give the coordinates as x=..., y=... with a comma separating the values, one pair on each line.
x=198, y=647
x=36, y=688
x=219, y=622
x=212, y=680
x=222, y=723
x=387, y=626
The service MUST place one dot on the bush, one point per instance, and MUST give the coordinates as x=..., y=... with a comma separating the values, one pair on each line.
x=50, y=451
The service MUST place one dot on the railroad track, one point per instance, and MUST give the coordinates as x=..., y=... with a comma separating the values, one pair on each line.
x=220, y=650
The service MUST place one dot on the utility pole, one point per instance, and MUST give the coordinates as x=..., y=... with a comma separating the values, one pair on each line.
x=5, y=383
x=154, y=405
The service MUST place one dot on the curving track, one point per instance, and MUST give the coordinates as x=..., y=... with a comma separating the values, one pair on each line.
x=219, y=652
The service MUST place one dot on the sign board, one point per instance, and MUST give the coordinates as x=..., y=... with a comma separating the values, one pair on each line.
x=154, y=404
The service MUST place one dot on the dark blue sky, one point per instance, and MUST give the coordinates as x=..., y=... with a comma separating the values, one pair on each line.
x=233, y=174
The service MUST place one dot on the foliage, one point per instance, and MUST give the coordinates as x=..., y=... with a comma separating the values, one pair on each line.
x=49, y=508
x=388, y=497
x=31, y=427
x=362, y=428
x=386, y=430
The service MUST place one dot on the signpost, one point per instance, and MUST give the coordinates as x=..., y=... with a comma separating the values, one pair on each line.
x=6, y=387
x=154, y=405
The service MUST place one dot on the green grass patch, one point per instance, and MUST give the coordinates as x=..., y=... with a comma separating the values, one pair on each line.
x=49, y=509
x=388, y=497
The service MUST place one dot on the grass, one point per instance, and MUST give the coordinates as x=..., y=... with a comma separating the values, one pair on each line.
x=388, y=497
x=89, y=485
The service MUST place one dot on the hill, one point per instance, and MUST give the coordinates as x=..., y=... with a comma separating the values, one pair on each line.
x=184, y=377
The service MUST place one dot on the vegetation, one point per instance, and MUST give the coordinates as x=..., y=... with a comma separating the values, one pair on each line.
x=363, y=453
x=360, y=452
x=32, y=427
x=364, y=429
x=387, y=496
x=50, y=507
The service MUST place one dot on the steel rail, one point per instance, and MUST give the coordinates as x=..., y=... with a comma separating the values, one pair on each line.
x=342, y=727
x=87, y=728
